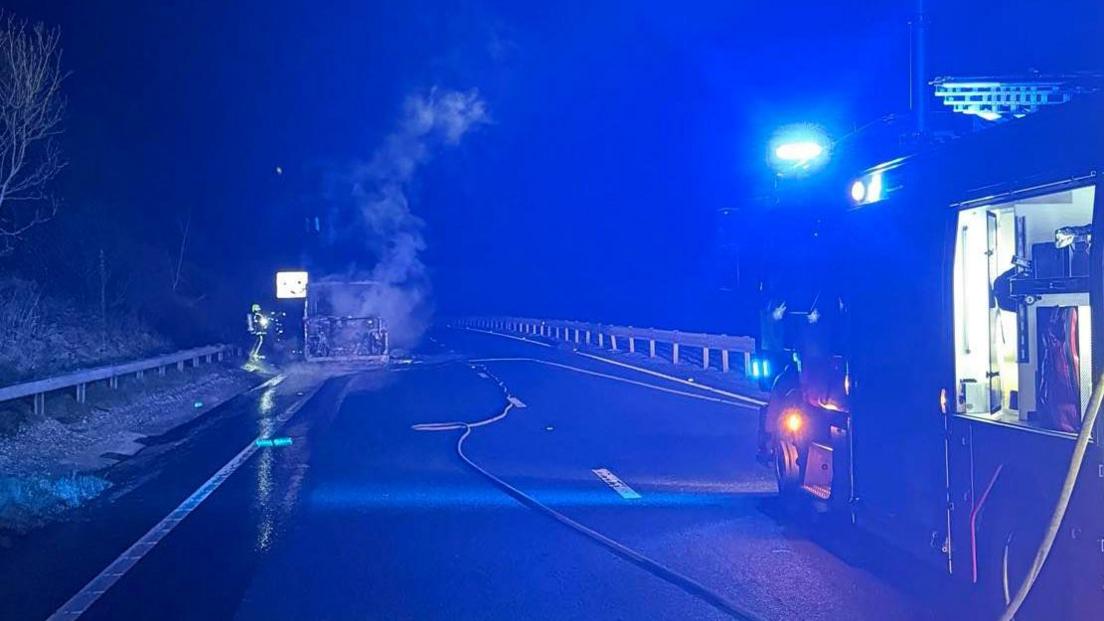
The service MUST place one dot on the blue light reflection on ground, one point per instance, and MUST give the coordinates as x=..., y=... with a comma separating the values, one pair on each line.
x=367, y=497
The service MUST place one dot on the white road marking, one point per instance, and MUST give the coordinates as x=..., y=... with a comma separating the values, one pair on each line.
x=616, y=378
x=616, y=484
x=83, y=599
x=509, y=336
x=731, y=395
x=517, y=403
x=684, y=582
x=691, y=382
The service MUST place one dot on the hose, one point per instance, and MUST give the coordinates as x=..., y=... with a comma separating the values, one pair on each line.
x=686, y=583
x=1076, y=460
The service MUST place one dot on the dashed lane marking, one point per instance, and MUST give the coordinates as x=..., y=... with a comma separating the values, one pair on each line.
x=616, y=484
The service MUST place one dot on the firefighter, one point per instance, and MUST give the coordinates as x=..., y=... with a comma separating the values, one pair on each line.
x=772, y=354
x=258, y=323
x=809, y=395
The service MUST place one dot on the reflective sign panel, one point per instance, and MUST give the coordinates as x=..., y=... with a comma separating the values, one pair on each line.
x=290, y=285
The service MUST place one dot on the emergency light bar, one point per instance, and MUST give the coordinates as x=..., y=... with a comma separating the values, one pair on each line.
x=799, y=149
x=798, y=152
x=994, y=98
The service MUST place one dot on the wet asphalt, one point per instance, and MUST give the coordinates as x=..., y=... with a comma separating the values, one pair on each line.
x=364, y=517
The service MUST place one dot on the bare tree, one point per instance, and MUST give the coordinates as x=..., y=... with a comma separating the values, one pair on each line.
x=31, y=109
x=185, y=228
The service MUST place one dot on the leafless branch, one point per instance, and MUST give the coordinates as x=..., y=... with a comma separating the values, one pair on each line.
x=31, y=110
x=185, y=227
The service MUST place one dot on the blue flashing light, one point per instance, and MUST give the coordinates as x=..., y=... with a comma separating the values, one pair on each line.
x=798, y=149
x=755, y=368
x=766, y=368
x=798, y=152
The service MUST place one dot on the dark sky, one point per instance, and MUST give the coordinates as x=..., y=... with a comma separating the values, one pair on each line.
x=617, y=128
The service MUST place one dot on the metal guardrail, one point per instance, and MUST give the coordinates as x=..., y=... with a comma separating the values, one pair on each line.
x=607, y=336
x=111, y=373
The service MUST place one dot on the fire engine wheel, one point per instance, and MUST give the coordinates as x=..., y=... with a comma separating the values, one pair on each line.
x=785, y=467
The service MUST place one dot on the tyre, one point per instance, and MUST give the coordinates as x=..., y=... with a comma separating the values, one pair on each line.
x=786, y=468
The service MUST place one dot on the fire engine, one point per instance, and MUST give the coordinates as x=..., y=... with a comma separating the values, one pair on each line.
x=935, y=380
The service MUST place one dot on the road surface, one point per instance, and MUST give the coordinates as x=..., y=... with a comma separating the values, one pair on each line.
x=371, y=514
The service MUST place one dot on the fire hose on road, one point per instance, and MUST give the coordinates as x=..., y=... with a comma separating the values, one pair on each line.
x=1076, y=460
x=684, y=582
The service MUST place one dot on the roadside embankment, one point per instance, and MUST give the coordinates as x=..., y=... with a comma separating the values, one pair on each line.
x=51, y=463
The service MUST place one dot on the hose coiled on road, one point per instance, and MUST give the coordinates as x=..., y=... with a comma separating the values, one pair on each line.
x=691, y=586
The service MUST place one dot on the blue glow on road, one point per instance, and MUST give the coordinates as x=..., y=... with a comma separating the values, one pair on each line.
x=477, y=498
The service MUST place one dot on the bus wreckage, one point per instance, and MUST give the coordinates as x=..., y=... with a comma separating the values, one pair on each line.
x=339, y=324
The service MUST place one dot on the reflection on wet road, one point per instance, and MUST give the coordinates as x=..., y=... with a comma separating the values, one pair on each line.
x=363, y=517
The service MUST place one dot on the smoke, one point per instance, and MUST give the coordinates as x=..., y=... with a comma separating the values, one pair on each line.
x=385, y=225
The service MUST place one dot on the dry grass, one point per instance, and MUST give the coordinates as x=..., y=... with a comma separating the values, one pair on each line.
x=42, y=336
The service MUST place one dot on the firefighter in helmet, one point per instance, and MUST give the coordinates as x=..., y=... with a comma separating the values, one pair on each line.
x=257, y=323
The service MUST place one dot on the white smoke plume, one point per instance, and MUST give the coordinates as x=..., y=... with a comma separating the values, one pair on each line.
x=393, y=234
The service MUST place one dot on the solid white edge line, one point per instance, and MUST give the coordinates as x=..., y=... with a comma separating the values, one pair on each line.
x=705, y=387
x=616, y=378
x=509, y=336
x=83, y=599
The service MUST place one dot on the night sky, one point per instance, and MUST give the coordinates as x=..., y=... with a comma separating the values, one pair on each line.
x=616, y=129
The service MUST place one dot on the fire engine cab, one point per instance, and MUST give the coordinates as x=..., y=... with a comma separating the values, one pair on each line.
x=937, y=376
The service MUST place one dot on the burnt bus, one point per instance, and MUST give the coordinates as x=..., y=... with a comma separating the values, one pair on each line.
x=341, y=323
x=939, y=376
